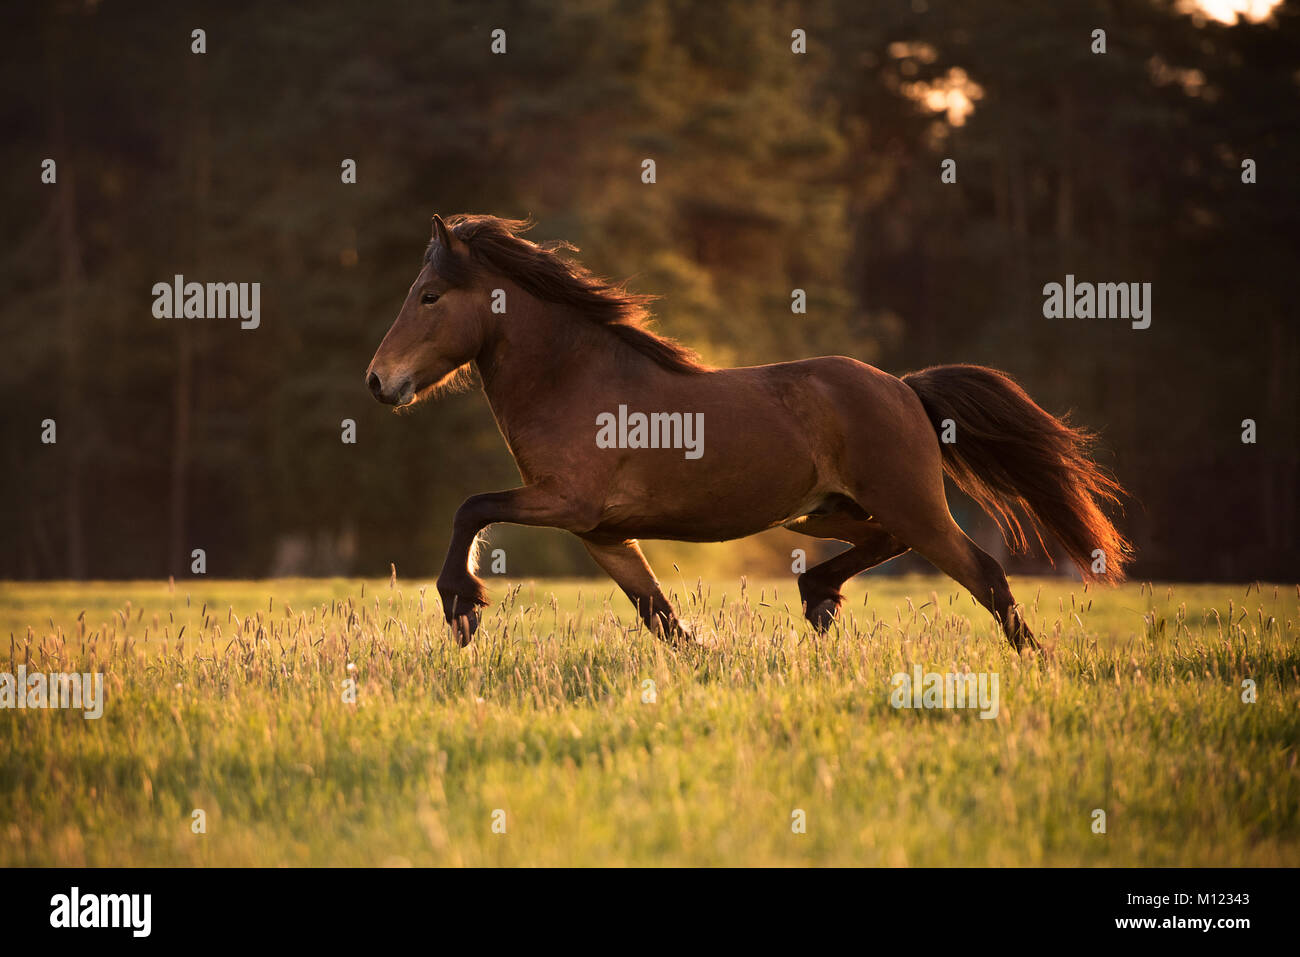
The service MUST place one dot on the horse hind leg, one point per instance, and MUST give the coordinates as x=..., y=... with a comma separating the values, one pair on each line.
x=819, y=586
x=951, y=550
x=898, y=478
x=910, y=504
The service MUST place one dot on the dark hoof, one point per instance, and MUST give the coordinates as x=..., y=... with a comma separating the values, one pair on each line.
x=680, y=635
x=823, y=614
x=1022, y=639
x=463, y=615
x=671, y=630
x=464, y=626
x=462, y=605
x=1027, y=642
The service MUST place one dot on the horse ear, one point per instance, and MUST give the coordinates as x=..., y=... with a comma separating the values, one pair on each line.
x=441, y=233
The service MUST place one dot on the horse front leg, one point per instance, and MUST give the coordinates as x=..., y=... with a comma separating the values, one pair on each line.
x=462, y=592
x=624, y=562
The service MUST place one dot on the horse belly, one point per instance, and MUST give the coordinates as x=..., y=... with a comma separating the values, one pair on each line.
x=708, y=506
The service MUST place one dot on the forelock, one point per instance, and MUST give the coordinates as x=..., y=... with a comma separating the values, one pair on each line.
x=453, y=269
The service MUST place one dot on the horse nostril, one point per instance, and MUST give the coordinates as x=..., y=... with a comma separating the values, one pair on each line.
x=376, y=387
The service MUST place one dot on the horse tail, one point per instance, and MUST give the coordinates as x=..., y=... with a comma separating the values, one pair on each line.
x=1009, y=454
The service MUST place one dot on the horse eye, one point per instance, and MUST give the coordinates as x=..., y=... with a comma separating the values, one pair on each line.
x=429, y=298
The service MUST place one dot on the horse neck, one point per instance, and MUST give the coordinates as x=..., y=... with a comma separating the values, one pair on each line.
x=538, y=349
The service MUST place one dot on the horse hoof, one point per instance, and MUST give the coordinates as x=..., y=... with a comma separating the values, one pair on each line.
x=823, y=614
x=682, y=635
x=464, y=626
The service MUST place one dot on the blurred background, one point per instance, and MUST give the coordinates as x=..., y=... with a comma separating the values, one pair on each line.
x=775, y=170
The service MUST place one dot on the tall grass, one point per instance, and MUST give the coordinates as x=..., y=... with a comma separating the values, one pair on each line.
x=229, y=697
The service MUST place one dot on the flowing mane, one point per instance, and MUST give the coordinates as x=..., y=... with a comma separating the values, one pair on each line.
x=496, y=244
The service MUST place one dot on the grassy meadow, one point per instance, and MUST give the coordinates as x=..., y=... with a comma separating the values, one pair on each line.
x=229, y=697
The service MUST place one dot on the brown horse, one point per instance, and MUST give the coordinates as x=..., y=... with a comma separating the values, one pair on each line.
x=605, y=421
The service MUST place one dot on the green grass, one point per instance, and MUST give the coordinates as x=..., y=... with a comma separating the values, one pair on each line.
x=1135, y=708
